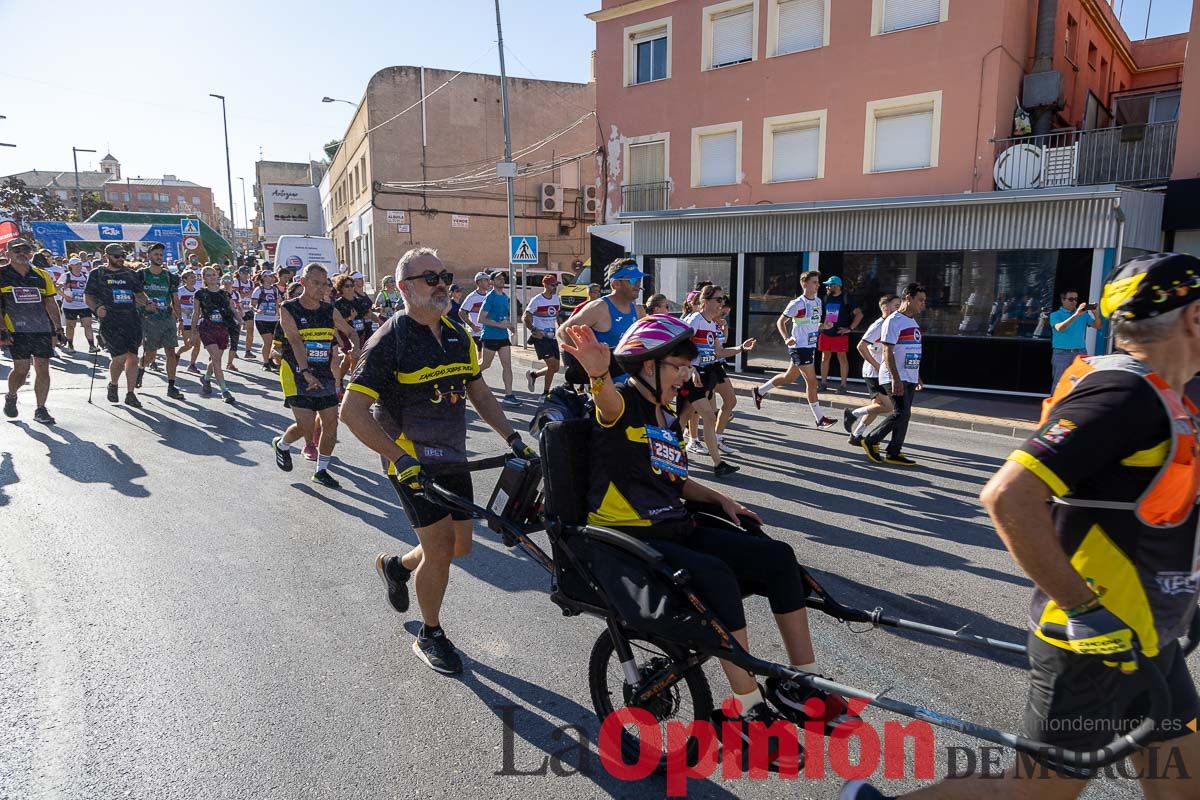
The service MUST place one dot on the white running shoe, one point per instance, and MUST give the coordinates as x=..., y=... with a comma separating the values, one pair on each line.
x=696, y=446
x=724, y=448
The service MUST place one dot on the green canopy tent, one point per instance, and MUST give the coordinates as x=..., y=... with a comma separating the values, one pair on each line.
x=216, y=248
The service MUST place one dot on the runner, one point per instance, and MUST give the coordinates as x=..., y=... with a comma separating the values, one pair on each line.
x=187, y=302
x=857, y=420
x=417, y=370
x=609, y=317
x=805, y=315
x=309, y=349
x=493, y=319
x=469, y=311
x=245, y=285
x=159, y=322
x=345, y=302
x=216, y=314
x=388, y=301
x=114, y=294
x=75, y=309
x=265, y=301
x=30, y=324
x=364, y=307
x=900, y=372
x=1099, y=510
x=229, y=286
x=658, y=304
x=456, y=298
x=724, y=387
x=841, y=316
x=541, y=320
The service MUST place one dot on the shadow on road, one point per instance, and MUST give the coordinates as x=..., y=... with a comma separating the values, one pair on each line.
x=87, y=462
x=8, y=476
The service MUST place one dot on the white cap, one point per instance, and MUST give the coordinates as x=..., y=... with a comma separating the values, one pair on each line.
x=358, y=276
x=73, y=262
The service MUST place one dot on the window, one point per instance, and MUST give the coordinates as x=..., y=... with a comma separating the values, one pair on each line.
x=1139, y=109
x=730, y=34
x=1071, y=40
x=717, y=155
x=794, y=147
x=111, y=195
x=1093, y=54
x=794, y=26
x=164, y=198
x=179, y=200
x=362, y=173
x=903, y=133
x=646, y=185
x=888, y=16
x=195, y=201
x=648, y=52
x=125, y=196
x=646, y=162
x=145, y=197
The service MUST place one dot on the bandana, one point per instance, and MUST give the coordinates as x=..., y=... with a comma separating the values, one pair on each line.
x=1151, y=285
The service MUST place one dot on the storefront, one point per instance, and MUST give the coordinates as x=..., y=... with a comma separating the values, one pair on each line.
x=993, y=266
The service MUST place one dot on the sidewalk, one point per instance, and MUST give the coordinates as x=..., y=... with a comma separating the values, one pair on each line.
x=1007, y=416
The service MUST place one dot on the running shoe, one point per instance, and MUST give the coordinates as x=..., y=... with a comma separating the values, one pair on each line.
x=70, y=348
x=843, y=389
x=723, y=469
x=758, y=397
x=848, y=420
x=43, y=416
x=141, y=374
x=531, y=379
x=760, y=713
x=395, y=577
x=113, y=395
x=310, y=451
x=438, y=653
x=724, y=448
x=861, y=790
x=323, y=477
x=872, y=452
x=227, y=396
x=174, y=393
x=697, y=446
x=792, y=700
x=192, y=368
x=899, y=460
x=10, y=405
x=132, y=401
x=855, y=441
x=249, y=356
x=268, y=366
x=92, y=349
x=205, y=386
x=826, y=423
x=232, y=366
x=510, y=400
x=283, y=459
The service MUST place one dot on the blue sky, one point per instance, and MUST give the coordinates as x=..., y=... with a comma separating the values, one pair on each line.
x=140, y=85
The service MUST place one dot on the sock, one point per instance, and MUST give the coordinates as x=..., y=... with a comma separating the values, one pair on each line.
x=284, y=445
x=221, y=382
x=323, y=462
x=810, y=667
x=859, y=412
x=860, y=427
x=749, y=700
x=429, y=630
x=816, y=409
x=766, y=388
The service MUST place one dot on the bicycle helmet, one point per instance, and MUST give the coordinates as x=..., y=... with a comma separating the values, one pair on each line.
x=651, y=338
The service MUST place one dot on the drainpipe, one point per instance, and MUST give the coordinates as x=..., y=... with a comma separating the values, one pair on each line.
x=1042, y=89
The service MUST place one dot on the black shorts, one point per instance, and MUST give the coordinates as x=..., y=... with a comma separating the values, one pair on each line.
x=802, y=356
x=247, y=315
x=496, y=344
x=1076, y=702
x=121, y=335
x=423, y=512
x=873, y=387
x=187, y=327
x=318, y=402
x=30, y=345
x=546, y=347
x=77, y=313
x=264, y=328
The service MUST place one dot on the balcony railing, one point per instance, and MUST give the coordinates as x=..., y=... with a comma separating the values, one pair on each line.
x=1132, y=154
x=646, y=196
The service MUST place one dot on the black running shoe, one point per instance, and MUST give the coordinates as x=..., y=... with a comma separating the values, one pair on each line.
x=825, y=423
x=227, y=396
x=113, y=395
x=43, y=416
x=724, y=468
x=438, y=653
x=856, y=441
x=141, y=374
x=205, y=387
x=795, y=699
x=872, y=452
x=325, y=479
x=174, y=393
x=761, y=713
x=395, y=577
x=132, y=401
x=283, y=459
x=758, y=398
x=848, y=420
x=10, y=405
x=899, y=460
x=861, y=790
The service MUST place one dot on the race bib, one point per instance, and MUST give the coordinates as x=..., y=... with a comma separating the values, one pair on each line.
x=122, y=297
x=812, y=338
x=216, y=317
x=357, y=324
x=665, y=453
x=245, y=304
x=26, y=294
x=267, y=307
x=161, y=304
x=912, y=360
x=317, y=352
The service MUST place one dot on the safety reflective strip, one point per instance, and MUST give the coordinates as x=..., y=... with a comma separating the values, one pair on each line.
x=1047, y=475
x=1151, y=457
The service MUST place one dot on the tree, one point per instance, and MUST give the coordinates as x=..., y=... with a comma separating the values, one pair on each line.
x=93, y=202
x=331, y=147
x=29, y=205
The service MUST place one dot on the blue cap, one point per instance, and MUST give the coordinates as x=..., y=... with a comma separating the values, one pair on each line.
x=630, y=273
x=834, y=281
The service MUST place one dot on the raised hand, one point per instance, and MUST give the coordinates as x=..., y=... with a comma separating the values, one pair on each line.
x=592, y=354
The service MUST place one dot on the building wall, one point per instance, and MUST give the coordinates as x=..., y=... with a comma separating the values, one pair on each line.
x=1187, y=158
x=115, y=191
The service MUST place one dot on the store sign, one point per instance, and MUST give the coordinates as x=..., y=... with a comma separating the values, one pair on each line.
x=404, y=228
x=292, y=210
x=396, y=218
x=460, y=221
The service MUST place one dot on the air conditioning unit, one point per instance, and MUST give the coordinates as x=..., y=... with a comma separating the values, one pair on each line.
x=551, y=197
x=591, y=200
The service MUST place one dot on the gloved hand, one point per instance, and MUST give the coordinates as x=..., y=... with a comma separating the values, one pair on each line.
x=1099, y=632
x=520, y=449
x=408, y=473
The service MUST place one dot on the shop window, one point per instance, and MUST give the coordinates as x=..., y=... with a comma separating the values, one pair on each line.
x=675, y=277
x=730, y=34
x=888, y=16
x=794, y=147
x=716, y=154
x=794, y=26
x=903, y=133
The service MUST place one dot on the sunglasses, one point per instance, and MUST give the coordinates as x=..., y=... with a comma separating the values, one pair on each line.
x=432, y=278
x=20, y=249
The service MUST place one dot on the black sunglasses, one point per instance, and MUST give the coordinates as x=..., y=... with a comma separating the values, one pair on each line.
x=20, y=249
x=432, y=278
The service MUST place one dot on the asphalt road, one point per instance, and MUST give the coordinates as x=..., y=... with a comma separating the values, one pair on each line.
x=179, y=619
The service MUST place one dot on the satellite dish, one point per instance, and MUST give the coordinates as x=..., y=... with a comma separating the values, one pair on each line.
x=1019, y=167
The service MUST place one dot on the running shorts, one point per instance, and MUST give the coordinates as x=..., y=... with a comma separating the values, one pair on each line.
x=214, y=333
x=873, y=387
x=546, y=347
x=423, y=512
x=159, y=333
x=496, y=344
x=802, y=356
x=30, y=345
x=121, y=335
x=311, y=402
x=247, y=316
x=833, y=344
x=77, y=313
x=264, y=328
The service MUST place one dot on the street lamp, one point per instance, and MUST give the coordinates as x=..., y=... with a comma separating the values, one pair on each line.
x=75, y=151
x=6, y=144
x=228, y=169
x=245, y=207
x=335, y=100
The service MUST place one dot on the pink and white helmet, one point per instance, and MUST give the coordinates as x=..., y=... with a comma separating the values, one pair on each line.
x=652, y=337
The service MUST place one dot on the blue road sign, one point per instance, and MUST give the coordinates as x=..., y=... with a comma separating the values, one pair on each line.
x=189, y=227
x=522, y=249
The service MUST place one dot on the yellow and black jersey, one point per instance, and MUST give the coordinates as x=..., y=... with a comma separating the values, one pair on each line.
x=316, y=330
x=1101, y=449
x=22, y=300
x=419, y=385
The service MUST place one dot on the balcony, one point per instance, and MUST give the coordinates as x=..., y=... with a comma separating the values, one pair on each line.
x=1131, y=155
x=646, y=196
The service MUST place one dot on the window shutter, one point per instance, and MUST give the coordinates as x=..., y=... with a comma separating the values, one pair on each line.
x=718, y=159
x=733, y=37
x=795, y=153
x=801, y=25
x=647, y=163
x=901, y=14
x=903, y=141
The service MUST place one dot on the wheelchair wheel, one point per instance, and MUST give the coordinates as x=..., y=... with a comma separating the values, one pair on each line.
x=688, y=700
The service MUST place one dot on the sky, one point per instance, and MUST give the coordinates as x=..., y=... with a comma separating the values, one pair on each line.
x=133, y=77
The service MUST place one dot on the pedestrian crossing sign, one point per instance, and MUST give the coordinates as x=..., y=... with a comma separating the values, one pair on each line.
x=189, y=227
x=522, y=249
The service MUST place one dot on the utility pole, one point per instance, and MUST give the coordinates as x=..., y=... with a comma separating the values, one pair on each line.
x=75, y=151
x=228, y=169
x=512, y=226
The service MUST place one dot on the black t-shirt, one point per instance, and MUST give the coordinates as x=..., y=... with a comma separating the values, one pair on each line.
x=115, y=291
x=838, y=310
x=211, y=306
x=316, y=330
x=349, y=311
x=1107, y=440
x=22, y=300
x=362, y=307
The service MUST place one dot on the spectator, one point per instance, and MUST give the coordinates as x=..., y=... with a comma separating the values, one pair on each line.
x=1068, y=329
x=841, y=317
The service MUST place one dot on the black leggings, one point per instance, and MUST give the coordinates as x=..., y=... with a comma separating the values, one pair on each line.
x=725, y=565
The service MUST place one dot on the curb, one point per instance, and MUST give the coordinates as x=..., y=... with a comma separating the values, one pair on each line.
x=977, y=423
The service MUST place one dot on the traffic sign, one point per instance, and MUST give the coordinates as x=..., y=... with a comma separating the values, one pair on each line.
x=522, y=249
x=191, y=243
x=189, y=227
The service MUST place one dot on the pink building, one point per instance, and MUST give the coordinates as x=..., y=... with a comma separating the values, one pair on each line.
x=748, y=140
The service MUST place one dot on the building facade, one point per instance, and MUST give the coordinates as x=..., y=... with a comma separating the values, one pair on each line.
x=413, y=172
x=748, y=140
x=287, y=199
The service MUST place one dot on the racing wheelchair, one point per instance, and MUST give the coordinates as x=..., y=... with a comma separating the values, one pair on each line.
x=659, y=633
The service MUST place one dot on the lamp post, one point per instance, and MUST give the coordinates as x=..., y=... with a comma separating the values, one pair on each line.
x=245, y=206
x=228, y=169
x=75, y=151
x=336, y=100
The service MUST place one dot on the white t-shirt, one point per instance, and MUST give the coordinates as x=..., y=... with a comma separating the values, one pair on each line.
x=244, y=291
x=473, y=304
x=706, y=336
x=72, y=290
x=186, y=303
x=871, y=337
x=268, y=304
x=905, y=334
x=544, y=311
x=806, y=320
